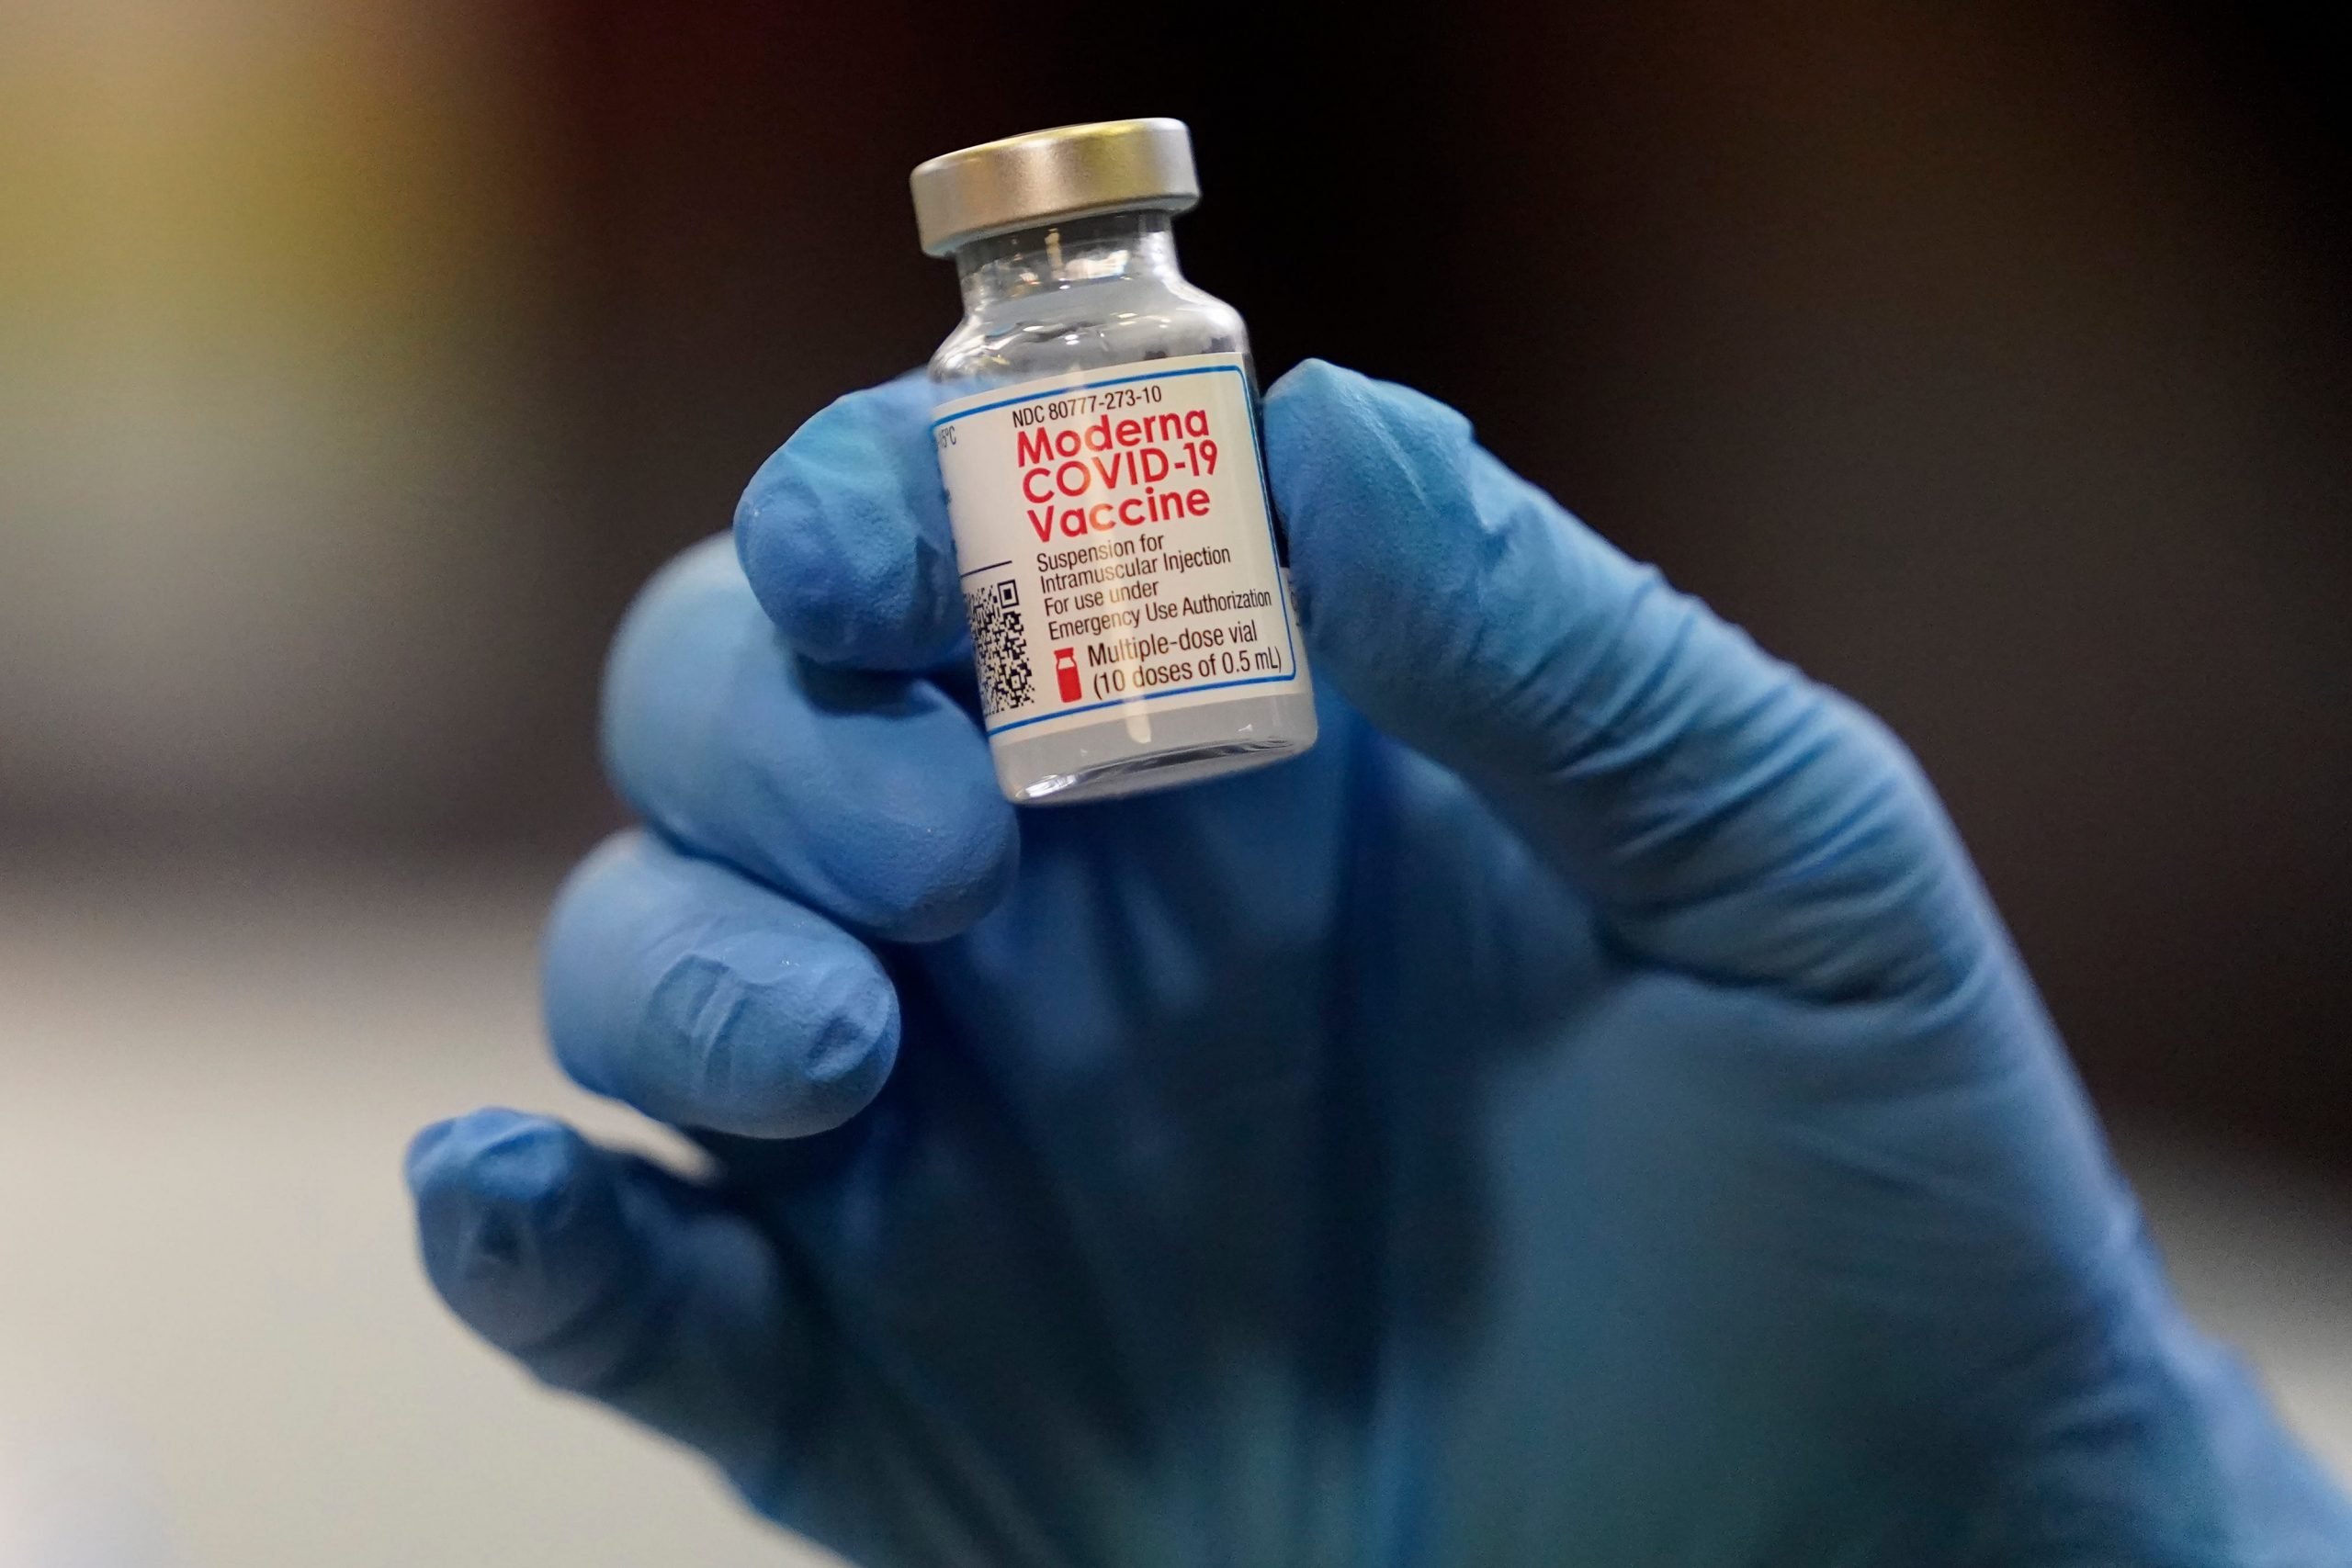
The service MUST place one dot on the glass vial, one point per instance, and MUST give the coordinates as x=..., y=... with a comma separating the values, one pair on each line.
x=1097, y=431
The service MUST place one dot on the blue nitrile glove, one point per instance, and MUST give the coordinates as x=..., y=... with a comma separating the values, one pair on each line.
x=1584, y=1113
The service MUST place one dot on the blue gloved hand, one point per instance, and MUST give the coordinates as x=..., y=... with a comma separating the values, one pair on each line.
x=1587, y=1112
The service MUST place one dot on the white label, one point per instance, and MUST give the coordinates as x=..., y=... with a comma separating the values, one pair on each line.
x=1117, y=543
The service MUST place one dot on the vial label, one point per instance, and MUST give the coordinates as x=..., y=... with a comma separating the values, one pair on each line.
x=1117, y=543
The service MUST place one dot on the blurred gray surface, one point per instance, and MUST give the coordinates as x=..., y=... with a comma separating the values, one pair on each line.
x=216, y=1348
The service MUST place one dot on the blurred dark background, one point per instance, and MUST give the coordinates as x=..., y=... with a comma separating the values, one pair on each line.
x=1991, y=361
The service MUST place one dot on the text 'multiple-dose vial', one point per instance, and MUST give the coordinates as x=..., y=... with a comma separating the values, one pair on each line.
x=1097, y=431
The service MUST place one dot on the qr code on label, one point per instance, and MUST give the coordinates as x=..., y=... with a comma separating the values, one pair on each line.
x=999, y=649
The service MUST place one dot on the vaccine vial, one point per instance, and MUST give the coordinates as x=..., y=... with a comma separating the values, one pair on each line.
x=1096, y=423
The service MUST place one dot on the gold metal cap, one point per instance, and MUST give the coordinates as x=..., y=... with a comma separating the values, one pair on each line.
x=1024, y=181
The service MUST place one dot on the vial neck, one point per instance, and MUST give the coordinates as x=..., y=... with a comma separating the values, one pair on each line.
x=1109, y=247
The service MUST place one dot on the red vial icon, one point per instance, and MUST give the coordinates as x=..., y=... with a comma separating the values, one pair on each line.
x=1066, y=672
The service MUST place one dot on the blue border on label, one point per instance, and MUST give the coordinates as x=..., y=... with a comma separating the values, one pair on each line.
x=1265, y=510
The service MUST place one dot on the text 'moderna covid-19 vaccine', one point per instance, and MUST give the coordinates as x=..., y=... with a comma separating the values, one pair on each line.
x=1097, y=431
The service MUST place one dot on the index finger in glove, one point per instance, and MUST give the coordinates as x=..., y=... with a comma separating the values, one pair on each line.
x=843, y=535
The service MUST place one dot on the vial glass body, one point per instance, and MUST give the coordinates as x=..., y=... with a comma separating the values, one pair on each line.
x=1098, y=434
